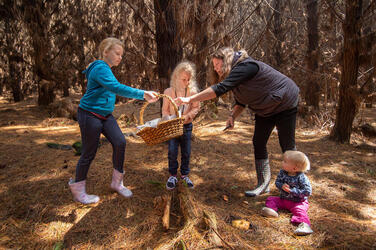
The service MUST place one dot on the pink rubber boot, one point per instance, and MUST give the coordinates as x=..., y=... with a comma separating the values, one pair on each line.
x=117, y=184
x=79, y=192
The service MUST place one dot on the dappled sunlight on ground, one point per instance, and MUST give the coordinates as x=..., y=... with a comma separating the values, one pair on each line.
x=37, y=210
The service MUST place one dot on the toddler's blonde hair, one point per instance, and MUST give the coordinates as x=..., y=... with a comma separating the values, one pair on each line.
x=299, y=159
x=107, y=44
x=185, y=66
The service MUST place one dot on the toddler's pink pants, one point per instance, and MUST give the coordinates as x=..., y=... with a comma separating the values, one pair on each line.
x=298, y=209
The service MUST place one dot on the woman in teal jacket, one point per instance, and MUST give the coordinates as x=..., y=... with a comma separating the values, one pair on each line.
x=95, y=118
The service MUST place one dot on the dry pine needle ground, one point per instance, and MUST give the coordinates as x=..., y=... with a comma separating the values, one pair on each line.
x=37, y=210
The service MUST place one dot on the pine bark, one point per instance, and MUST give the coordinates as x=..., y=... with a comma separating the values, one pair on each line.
x=349, y=97
x=312, y=90
x=15, y=59
x=278, y=34
x=201, y=40
x=37, y=21
x=169, y=50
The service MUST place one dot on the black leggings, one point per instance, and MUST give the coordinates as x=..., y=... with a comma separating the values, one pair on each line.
x=91, y=129
x=285, y=122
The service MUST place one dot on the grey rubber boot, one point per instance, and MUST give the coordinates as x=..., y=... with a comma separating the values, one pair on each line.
x=79, y=192
x=117, y=184
x=263, y=178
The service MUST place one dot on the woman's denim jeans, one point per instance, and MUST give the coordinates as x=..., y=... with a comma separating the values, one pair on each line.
x=173, y=149
x=91, y=128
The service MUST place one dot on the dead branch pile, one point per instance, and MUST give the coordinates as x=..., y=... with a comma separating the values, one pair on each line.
x=199, y=227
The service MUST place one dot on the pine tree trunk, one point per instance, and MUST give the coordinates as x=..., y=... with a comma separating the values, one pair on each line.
x=332, y=89
x=14, y=80
x=169, y=50
x=349, y=96
x=200, y=41
x=81, y=52
x=15, y=58
x=2, y=81
x=66, y=90
x=278, y=34
x=37, y=20
x=312, y=90
x=46, y=93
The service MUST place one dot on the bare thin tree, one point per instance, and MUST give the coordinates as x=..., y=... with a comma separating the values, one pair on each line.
x=312, y=91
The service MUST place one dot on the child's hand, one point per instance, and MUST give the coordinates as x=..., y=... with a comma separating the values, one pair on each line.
x=187, y=119
x=182, y=100
x=286, y=188
x=151, y=96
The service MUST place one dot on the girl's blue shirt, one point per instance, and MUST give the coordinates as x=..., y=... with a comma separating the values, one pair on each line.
x=102, y=88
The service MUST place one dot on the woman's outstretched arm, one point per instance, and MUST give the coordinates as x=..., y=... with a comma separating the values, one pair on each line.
x=207, y=94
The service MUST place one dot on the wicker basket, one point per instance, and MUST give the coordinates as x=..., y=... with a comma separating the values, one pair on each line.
x=165, y=130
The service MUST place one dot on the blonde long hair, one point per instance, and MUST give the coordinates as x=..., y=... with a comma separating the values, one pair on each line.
x=226, y=54
x=185, y=66
x=107, y=44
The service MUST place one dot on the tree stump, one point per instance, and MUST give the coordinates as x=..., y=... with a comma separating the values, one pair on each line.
x=46, y=93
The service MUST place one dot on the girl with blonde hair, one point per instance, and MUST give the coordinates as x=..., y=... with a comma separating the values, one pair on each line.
x=182, y=84
x=95, y=118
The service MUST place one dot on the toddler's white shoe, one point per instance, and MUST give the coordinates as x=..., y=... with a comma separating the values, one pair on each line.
x=268, y=212
x=303, y=229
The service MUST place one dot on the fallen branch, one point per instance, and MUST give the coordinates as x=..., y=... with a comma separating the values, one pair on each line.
x=166, y=213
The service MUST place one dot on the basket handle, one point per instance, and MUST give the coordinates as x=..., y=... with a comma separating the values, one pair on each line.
x=147, y=103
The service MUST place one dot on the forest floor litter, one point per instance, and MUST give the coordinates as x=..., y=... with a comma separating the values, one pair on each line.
x=37, y=210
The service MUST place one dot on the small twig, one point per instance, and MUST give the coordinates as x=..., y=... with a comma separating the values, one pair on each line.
x=224, y=241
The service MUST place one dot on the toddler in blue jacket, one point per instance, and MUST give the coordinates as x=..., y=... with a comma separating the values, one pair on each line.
x=294, y=189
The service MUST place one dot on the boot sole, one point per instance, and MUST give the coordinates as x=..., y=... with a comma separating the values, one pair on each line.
x=115, y=191
x=254, y=195
x=169, y=189
x=87, y=204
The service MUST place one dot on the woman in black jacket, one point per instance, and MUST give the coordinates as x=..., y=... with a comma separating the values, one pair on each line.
x=272, y=96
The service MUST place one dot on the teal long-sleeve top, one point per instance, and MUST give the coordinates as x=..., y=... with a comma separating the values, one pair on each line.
x=102, y=88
